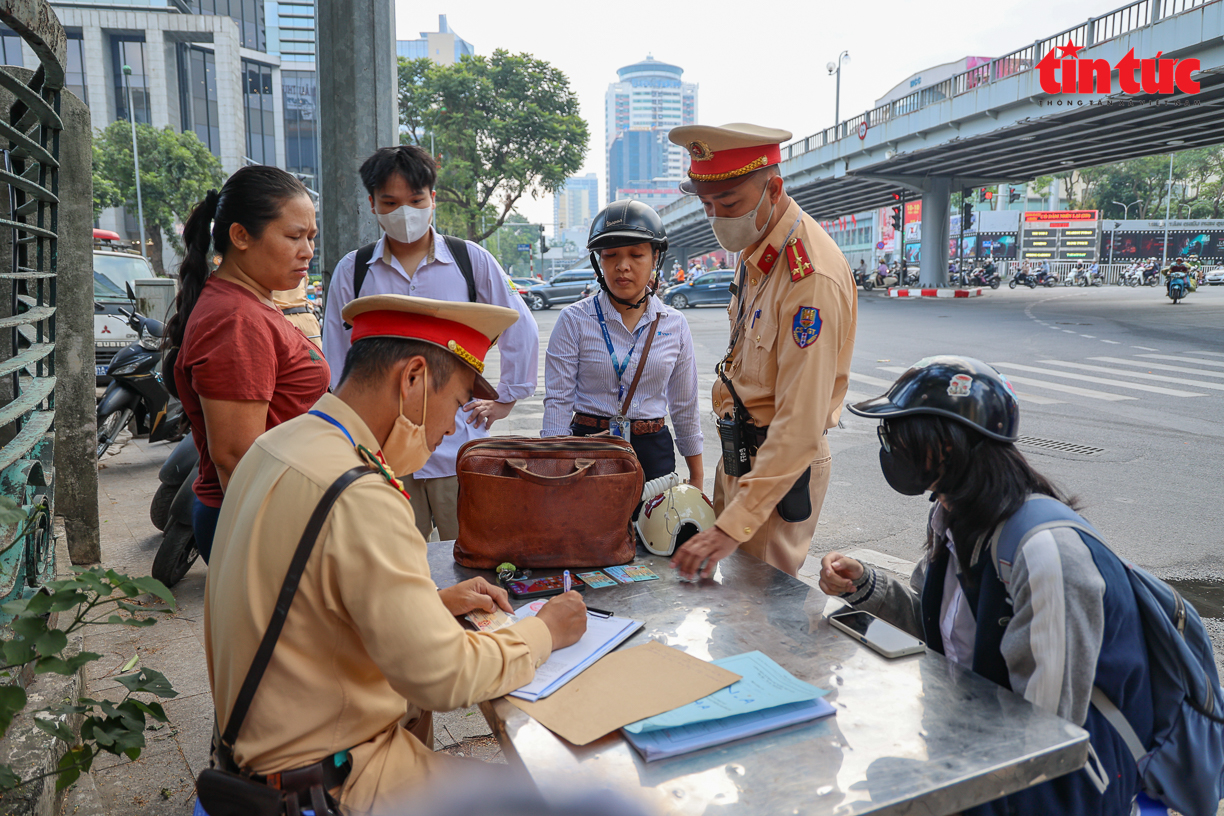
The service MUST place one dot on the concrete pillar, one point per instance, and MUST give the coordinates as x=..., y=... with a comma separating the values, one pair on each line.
x=155, y=68
x=76, y=465
x=933, y=268
x=358, y=113
x=1055, y=195
x=231, y=105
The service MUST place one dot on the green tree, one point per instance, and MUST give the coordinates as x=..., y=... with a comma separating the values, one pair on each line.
x=1198, y=185
x=176, y=172
x=501, y=127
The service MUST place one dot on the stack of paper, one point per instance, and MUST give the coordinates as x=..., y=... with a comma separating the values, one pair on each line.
x=602, y=636
x=768, y=697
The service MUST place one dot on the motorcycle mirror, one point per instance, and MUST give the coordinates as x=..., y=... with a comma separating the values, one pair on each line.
x=130, y=293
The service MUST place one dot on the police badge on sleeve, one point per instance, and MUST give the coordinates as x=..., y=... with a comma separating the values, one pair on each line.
x=806, y=326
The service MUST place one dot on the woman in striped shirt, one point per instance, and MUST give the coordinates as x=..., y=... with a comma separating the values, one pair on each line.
x=599, y=342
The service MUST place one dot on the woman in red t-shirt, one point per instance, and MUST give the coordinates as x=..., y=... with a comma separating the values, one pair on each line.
x=242, y=367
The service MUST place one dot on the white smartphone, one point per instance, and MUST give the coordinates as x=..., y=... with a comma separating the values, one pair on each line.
x=880, y=635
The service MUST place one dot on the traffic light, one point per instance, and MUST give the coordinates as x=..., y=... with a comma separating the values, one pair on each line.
x=988, y=195
x=543, y=243
x=1013, y=195
x=896, y=218
x=966, y=215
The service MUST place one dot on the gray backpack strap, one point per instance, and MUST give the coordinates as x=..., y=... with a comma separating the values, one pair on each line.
x=1118, y=720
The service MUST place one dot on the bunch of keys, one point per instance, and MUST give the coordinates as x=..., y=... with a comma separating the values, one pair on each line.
x=508, y=572
x=619, y=426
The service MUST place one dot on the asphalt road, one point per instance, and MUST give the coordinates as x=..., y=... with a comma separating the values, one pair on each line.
x=1134, y=380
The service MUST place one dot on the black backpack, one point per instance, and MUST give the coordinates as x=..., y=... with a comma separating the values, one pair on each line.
x=458, y=248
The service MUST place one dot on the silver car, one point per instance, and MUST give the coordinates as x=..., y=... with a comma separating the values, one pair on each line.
x=1215, y=277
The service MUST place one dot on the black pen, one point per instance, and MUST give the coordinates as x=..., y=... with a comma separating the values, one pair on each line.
x=599, y=613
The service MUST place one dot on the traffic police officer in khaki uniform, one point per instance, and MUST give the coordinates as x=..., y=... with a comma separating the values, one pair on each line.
x=793, y=313
x=370, y=645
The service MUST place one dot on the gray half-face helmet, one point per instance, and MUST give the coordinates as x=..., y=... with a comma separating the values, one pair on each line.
x=960, y=388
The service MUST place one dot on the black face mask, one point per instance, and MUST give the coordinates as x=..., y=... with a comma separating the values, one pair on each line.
x=902, y=475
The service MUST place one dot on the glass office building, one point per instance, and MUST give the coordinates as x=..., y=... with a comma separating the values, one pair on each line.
x=648, y=99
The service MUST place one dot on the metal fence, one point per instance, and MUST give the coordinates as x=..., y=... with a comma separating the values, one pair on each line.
x=1094, y=31
x=29, y=181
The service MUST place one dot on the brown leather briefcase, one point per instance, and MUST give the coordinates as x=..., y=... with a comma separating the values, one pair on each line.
x=562, y=501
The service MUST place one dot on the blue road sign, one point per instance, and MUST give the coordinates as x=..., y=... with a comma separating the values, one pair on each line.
x=524, y=247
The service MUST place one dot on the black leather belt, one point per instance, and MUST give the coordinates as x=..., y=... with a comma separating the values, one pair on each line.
x=325, y=773
x=296, y=310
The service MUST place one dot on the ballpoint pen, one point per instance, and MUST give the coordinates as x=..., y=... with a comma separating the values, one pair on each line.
x=565, y=580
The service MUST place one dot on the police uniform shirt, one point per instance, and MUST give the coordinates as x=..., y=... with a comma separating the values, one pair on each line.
x=367, y=643
x=791, y=365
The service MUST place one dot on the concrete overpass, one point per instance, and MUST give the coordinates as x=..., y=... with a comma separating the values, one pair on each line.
x=994, y=124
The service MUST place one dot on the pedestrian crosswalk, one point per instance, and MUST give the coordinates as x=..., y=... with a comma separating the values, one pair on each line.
x=1185, y=375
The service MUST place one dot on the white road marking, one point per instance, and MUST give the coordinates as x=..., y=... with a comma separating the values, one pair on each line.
x=1158, y=366
x=1141, y=375
x=1174, y=359
x=1022, y=395
x=1089, y=336
x=1155, y=389
x=863, y=378
x=1068, y=331
x=1070, y=389
x=1212, y=353
x=1111, y=342
x=1145, y=348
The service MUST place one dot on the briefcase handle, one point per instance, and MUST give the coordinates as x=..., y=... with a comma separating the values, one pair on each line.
x=581, y=468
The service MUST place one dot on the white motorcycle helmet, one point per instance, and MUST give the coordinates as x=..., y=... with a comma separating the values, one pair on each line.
x=673, y=517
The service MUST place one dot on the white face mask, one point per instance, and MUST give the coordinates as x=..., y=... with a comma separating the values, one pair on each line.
x=406, y=449
x=406, y=224
x=737, y=234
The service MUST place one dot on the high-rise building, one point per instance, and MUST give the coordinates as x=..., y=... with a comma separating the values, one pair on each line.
x=240, y=74
x=443, y=46
x=647, y=100
x=575, y=204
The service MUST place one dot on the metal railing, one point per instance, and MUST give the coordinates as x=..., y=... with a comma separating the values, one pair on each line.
x=1094, y=31
x=29, y=184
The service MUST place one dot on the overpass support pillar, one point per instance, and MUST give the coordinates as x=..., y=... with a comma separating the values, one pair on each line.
x=936, y=198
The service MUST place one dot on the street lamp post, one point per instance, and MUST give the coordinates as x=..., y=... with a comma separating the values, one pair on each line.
x=127, y=81
x=1126, y=207
x=835, y=70
x=1164, y=256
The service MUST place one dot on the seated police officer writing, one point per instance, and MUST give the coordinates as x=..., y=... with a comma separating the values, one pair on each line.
x=1013, y=585
x=370, y=646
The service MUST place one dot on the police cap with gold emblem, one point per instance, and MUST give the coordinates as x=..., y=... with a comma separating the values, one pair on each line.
x=466, y=330
x=722, y=156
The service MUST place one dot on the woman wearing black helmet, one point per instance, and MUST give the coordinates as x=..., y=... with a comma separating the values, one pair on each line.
x=1013, y=583
x=595, y=378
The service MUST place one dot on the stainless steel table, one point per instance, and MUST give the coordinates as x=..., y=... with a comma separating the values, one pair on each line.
x=911, y=735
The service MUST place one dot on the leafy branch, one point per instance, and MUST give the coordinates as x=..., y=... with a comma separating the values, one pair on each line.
x=91, y=597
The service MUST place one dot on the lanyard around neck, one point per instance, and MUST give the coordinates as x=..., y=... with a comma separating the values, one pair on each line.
x=740, y=317
x=335, y=422
x=374, y=459
x=618, y=367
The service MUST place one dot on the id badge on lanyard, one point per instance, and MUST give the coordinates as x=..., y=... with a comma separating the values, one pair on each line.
x=620, y=426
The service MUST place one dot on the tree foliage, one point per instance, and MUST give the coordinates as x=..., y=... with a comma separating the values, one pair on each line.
x=90, y=598
x=176, y=171
x=500, y=126
x=1197, y=191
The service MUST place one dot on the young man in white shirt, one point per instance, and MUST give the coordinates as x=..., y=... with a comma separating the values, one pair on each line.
x=413, y=258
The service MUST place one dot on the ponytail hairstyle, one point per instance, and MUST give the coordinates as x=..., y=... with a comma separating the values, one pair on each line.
x=252, y=197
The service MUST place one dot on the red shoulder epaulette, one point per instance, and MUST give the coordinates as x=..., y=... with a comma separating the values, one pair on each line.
x=800, y=264
x=768, y=258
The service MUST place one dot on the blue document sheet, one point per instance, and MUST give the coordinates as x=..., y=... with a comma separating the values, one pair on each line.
x=669, y=742
x=765, y=685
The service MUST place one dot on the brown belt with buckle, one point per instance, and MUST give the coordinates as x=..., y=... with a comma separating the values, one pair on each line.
x=639, y=427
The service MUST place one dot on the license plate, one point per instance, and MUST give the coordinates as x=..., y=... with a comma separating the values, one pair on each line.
x=101, y=371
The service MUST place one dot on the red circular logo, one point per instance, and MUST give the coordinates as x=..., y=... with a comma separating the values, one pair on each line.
x=862, y=130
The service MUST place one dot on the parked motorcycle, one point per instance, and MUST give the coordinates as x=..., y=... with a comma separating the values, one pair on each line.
x=170, y=512
x=136, y=389
x=911, y=277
